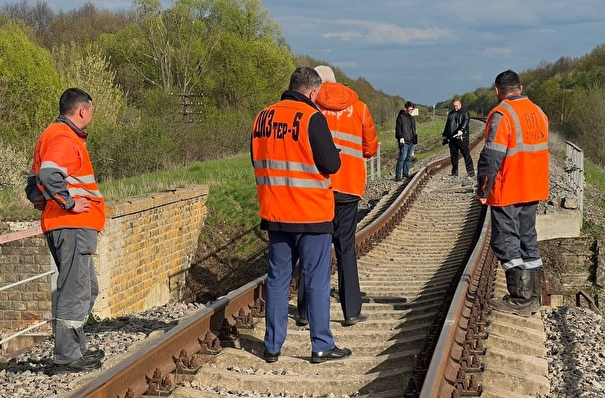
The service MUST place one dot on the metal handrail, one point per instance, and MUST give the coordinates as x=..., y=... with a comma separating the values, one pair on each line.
x=13, y=237
x=20, y=332
x=574, y=167
x=33, y=278
x=374, y=163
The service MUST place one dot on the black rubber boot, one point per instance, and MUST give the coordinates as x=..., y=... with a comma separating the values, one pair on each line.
x=536, y=296
x=520, y=285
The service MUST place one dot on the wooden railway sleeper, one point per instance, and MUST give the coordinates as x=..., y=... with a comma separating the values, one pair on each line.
x=186, y=364
x=466, y=387
x=160, y=386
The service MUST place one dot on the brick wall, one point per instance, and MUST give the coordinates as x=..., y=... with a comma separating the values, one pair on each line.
x=146, y=249
x=142, y=258
x=24, y=255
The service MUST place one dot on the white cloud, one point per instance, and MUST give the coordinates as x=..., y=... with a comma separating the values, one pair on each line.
x=344, y=36
x=344, y=64
x=381, y=33
x=505, y=52
x=429, y=50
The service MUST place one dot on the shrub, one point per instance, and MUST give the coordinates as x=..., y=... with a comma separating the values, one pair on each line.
x=129, y=151
x=14, y=166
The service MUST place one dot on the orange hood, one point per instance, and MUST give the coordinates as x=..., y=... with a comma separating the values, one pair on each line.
x=335, y=96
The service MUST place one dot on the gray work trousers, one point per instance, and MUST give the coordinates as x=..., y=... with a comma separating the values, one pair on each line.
x=514, y=239
x=77, y=289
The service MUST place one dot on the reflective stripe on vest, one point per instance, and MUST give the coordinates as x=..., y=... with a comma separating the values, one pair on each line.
x=346, y=128
x=289, y=181
x=354, y=141
x=290, y=188
x=80, y=183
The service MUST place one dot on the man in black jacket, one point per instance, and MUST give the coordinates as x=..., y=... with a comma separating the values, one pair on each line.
x=293, y=155
x=456, y=133
x=405, y=133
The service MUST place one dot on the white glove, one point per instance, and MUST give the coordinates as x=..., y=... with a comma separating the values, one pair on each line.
x=458, y=134
x=402, y=141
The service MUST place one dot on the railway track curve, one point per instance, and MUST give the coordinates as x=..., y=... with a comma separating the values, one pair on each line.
x=426, y=273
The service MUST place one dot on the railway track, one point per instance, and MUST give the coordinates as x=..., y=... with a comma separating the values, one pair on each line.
x=426, y=274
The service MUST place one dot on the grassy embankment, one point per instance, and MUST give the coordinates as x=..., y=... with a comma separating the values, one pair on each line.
x=232, y=199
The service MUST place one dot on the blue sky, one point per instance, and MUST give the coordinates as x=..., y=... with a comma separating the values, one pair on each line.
x=429, y=50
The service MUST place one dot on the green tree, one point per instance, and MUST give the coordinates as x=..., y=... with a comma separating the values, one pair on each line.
x=29, y=87
x=586, y=120
x=86, y=68
x=468, y=100
x=251, y=66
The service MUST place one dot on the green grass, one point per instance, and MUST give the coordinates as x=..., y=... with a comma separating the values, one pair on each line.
x=232, y=191
x=429, y=138
x=595, y=176
x=231, y=199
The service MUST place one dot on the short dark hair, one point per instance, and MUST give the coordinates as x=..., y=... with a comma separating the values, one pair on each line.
x=304, y=79
x=409, y=104
x=71, y=99
x=508, y=82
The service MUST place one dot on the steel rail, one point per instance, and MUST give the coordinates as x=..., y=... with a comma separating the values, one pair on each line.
x=131, y=378
x=147, y=369
x=444, y=365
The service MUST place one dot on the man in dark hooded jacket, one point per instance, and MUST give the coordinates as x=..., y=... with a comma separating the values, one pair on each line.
x=405, y=133
x=354, y=134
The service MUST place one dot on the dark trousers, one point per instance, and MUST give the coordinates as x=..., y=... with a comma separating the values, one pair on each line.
x=349, y=292
x=462, y=146
x=77, y=289
x=313, y=250
x=514, y=239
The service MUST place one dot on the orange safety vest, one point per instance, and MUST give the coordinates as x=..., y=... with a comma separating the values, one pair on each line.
x=354, y=134
x=290, y=188
x=523, y=136
x=80, y=180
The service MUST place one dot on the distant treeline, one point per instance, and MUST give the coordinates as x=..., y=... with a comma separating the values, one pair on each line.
x=170, y=86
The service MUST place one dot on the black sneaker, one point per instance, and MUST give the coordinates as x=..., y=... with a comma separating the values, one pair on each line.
x=79, y=365
x=94, y=355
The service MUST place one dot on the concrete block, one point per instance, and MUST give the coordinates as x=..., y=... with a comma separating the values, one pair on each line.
x=565, y=223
